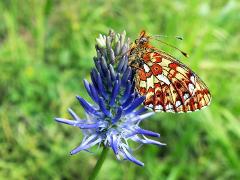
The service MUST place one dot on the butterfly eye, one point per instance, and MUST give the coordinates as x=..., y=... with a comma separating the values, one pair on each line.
x=143, y=40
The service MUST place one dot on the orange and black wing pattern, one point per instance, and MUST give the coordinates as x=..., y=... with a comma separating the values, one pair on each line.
x=169, y=85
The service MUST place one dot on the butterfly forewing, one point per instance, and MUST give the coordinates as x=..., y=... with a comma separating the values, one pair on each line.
x=169, y=85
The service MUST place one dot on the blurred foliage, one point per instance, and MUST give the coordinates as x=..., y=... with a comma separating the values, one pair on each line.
x=46, y=49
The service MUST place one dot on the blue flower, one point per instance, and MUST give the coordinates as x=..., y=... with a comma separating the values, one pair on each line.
x=115, y=116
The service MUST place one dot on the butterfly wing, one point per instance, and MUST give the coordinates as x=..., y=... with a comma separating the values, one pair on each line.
x=169, y=85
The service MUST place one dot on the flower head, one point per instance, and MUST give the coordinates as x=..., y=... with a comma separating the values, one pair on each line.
x=113, y=119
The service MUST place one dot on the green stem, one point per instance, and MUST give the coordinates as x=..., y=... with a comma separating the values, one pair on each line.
x=99, y=163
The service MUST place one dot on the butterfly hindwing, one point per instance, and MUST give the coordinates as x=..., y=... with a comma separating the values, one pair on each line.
x=169, y=85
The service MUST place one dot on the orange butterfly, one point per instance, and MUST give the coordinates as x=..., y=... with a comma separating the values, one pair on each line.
x=169, y=85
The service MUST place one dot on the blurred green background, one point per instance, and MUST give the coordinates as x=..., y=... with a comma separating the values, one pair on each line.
x=46, y=49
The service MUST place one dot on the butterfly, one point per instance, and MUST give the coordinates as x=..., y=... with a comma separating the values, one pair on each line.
x=168, y=84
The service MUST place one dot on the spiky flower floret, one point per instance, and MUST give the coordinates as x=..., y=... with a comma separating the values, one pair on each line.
x=114, y=117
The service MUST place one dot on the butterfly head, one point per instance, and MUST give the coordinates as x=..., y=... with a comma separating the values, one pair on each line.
x=143, y=39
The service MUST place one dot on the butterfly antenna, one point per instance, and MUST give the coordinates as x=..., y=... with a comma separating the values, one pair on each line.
x=183, y=53
x=177, y=37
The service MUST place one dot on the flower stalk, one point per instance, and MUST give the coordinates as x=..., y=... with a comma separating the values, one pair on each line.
x=99, y=163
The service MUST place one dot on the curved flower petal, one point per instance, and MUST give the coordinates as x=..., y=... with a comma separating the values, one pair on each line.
x=85, y=146
x=131, y=158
